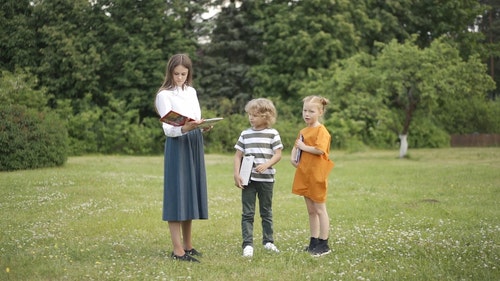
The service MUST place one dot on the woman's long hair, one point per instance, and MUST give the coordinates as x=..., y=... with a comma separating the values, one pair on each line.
x=173, y=62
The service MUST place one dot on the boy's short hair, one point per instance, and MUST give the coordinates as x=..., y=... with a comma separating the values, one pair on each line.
x=262, y=106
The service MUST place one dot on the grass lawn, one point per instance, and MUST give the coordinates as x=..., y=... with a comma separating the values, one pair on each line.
x=434, y=216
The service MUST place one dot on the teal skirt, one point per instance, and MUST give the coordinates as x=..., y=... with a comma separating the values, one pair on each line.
x=185, y=181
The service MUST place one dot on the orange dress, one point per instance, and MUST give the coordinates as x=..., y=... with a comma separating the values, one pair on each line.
x=311, y=176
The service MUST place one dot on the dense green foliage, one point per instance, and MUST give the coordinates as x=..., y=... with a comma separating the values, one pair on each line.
x=30, y=139
x=403, y=85
x=31, y=135
x=101, y=63
x=111, y=129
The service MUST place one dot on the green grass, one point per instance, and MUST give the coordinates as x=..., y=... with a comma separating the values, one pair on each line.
x=434, y=216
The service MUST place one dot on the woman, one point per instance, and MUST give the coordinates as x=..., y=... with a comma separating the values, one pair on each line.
x=185, y=184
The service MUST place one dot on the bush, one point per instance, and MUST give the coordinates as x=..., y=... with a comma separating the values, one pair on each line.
x=31, y=139
x=224, y=135
x=112, y=129
x=425, y=134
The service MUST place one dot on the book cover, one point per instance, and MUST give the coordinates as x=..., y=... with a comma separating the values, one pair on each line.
x=174, y=118
x=246, y=168
x=299, y=152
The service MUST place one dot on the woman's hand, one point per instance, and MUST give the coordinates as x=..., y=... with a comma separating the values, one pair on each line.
x=207, y=128
x=190, y=125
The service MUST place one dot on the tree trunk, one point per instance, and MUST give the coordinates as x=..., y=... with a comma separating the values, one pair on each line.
x=403, y=148
x=403, y=136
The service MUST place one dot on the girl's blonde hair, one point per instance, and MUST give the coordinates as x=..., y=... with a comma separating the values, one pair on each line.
x=264, y=107
x=320, y=101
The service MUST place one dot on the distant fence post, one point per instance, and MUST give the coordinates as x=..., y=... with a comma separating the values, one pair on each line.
x=475, y=140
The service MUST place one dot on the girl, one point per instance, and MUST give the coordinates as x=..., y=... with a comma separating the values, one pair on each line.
x=310, y=156
x=185, y=184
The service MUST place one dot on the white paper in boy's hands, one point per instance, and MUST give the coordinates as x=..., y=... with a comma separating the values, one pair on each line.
x=246, y=169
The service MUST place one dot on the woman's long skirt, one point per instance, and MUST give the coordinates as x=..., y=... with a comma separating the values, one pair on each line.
x=185, y=186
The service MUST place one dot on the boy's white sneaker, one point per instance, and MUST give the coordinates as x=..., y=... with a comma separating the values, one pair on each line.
x=271, y=247
x=248, y=251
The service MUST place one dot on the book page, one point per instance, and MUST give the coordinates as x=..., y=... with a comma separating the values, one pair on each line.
x=209, y=122
x=212, y=120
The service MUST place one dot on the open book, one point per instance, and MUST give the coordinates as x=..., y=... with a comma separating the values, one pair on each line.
x=176, y=119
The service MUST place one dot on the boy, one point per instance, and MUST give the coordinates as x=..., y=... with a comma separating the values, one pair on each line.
x=264, y=143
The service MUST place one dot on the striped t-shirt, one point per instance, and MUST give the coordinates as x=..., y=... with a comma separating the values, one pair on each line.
x=262, y=145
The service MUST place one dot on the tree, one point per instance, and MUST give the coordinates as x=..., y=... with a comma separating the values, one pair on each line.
x=401, y=88
x=235, y=46
x=415, y=79
x=107, y=58
x=296, y=38
x=18, y=88
x=302, y=35
x=489, y=24
x=356, y=110
x=137, y=38
x=18, y=38
x=68, y=55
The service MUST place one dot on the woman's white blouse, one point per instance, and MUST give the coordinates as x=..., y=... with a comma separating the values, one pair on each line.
x=182, y=101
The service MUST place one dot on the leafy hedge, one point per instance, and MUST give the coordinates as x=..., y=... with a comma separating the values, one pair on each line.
x=113, y=129
x=31, y=139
